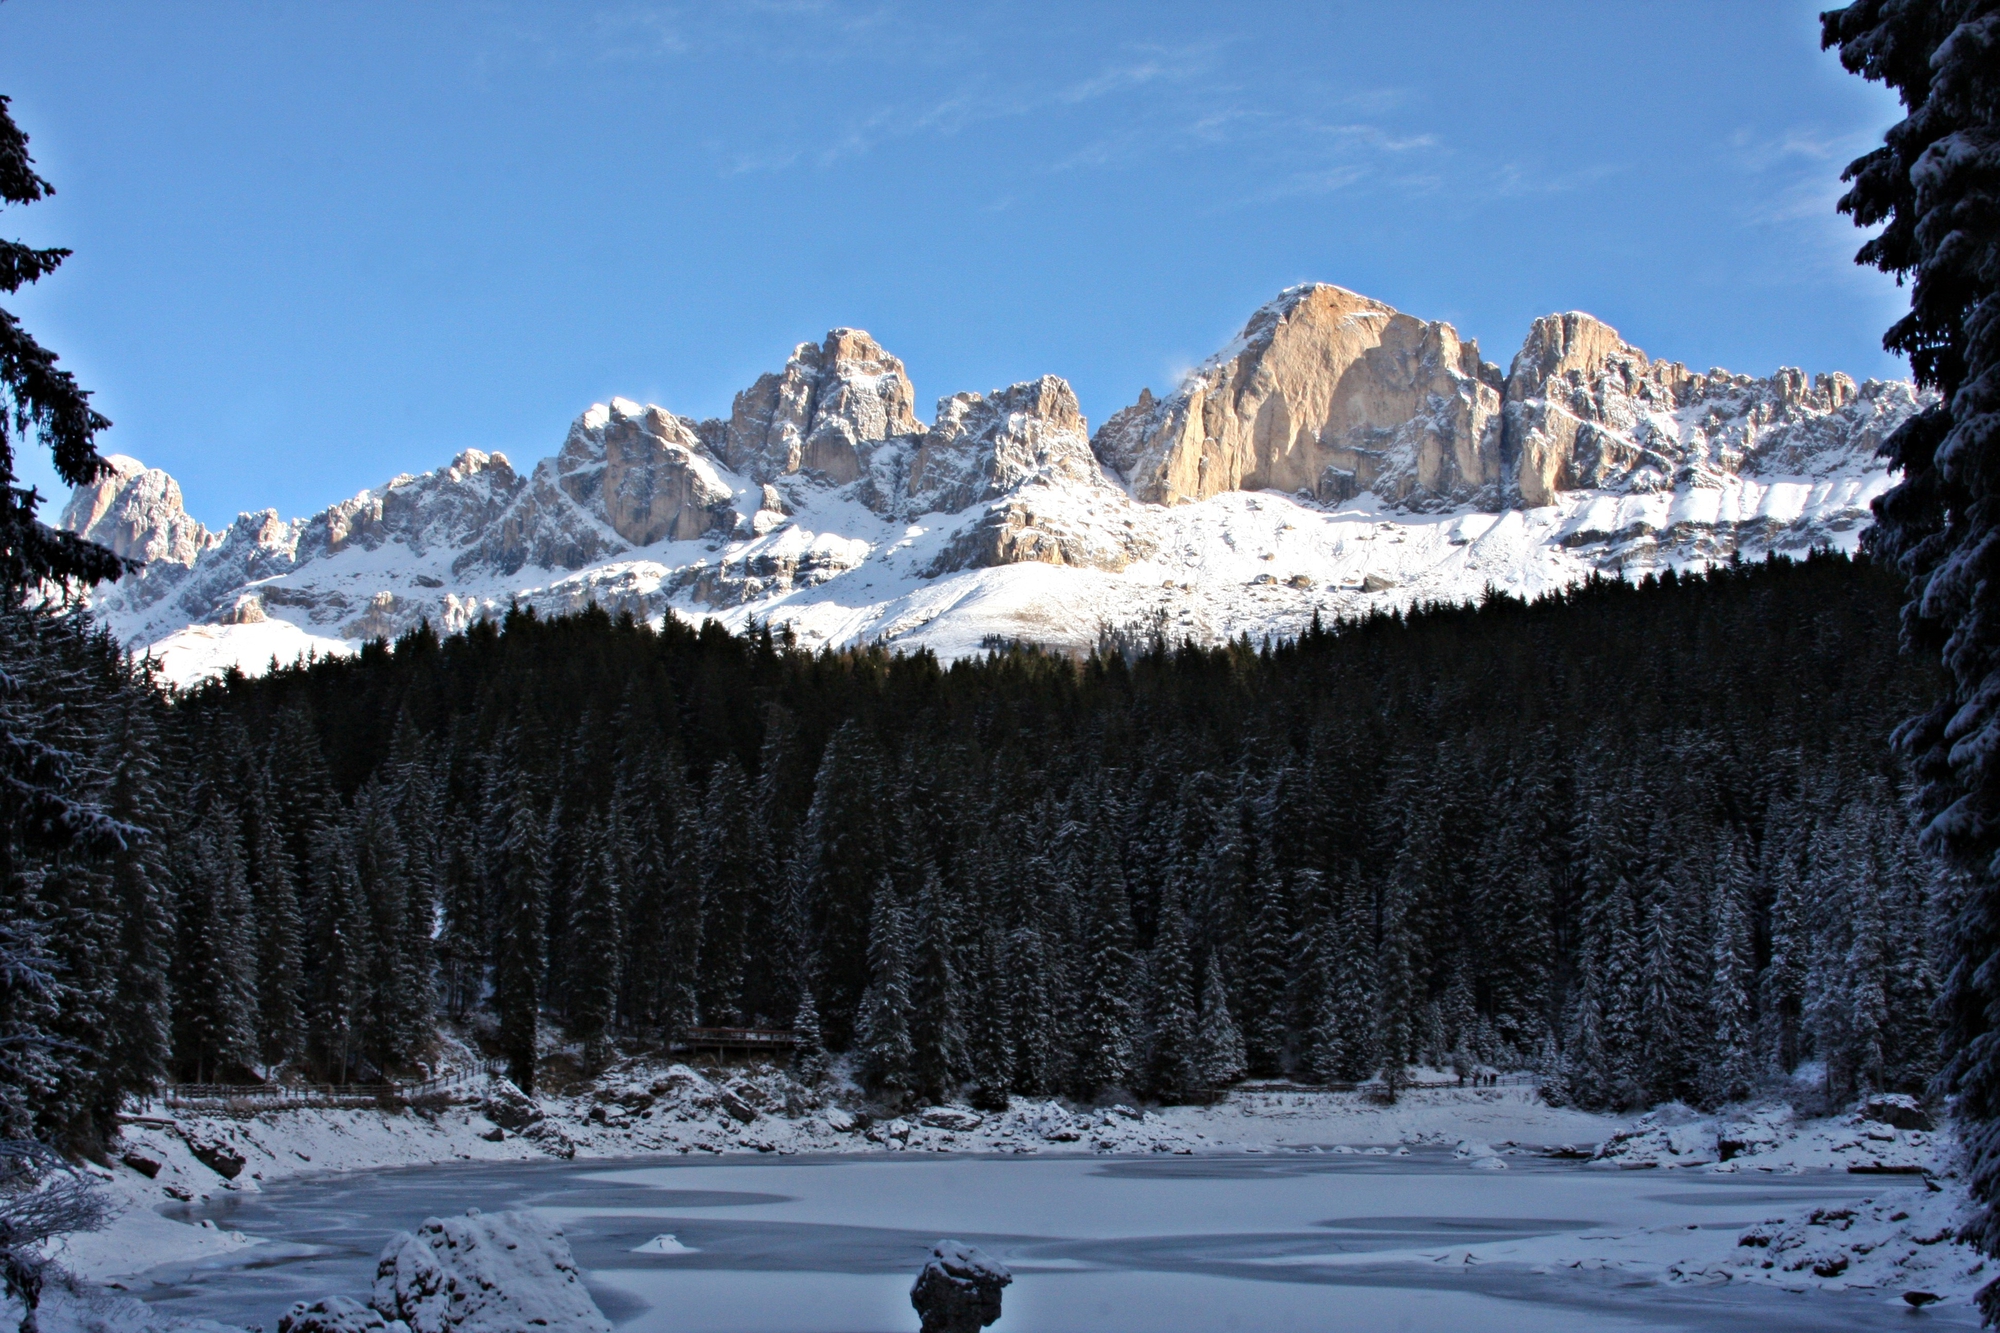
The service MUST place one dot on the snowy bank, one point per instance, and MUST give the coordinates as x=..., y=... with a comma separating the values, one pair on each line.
x=1903, y=1239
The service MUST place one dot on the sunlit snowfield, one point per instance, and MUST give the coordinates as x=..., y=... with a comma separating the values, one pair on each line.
x=1166, y=1245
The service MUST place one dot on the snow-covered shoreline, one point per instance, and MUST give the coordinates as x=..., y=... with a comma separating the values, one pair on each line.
x=1905, y=1240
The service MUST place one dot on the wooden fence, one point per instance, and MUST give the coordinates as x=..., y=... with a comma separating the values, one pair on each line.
x=722, y=1040
x=277, y=1096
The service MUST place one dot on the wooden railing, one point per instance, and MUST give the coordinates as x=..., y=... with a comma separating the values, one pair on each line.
x=737, y=1039
x=262, y=1096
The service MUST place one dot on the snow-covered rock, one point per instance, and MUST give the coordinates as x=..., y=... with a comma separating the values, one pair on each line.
x=1337, y=457
x=337, y=1314
x=959, y=1289
x=1907, y=1245
x=484, y=1273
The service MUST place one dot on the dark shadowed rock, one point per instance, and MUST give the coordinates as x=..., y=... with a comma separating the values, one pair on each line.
x=959, y=1289
x=216, y=1155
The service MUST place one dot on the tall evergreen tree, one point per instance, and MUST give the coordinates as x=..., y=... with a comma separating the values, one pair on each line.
x=597, y=940
x=520, y=938
x=1731, y=1063
x=937, y=1024
x=1173, y=1049
x=338, y=996
x=1221, y=1057
x=1930, y=190
x=887, y=1058
x=275, y=901
x=215, y=1014
x=1107, y=1023
x=1267, y=965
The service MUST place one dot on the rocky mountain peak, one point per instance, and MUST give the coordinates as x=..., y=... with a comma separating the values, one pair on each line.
x=983, y=446
x=830, y=398
x=1570, y=344
x=1337, y=454
x=645, y=470
x=1324, y=391
x=1587, y=410
x=137, y=512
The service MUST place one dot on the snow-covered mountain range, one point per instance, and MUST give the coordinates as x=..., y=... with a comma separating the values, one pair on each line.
x=1337, y=455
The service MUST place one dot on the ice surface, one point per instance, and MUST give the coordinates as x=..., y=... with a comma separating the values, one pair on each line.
x=1293, y=1240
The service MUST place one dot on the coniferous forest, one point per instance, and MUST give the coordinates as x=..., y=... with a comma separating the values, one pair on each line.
x=1650, y=841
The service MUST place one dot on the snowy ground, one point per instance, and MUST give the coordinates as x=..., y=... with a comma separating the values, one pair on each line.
x=1888, y=1232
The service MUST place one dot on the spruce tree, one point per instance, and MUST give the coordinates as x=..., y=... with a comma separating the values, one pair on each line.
x=1173, y=1048
x=843, y=858
x=1730, y=1067
x=596, y=940
x=520, y=938
x=1665, y=1004
x=1929, y=188
x=1221, y=1057
x=1106, y=1022
x=883, y=1034
x=809, y=1055
x=398, y=1026
x=730, y=873
x=937, y=1024
x=337, y=987
x=1267, y=966
x=141, y=1006
x=44, y=401
x=275, y=901
x=1344, y=1044
x=215, y=1017
x=1396, y=1021
x=992, y=1044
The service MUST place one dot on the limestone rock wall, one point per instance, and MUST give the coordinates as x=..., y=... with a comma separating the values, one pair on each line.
x=1324, y=391
x=813, y=416
x=1587, y=410
x=647, y=471
x=137, y=512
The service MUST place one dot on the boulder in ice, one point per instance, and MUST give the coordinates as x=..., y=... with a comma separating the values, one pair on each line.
x=959, y=1289
x=485, y=1273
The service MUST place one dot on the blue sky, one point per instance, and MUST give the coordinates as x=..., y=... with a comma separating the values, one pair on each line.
x=321, y=244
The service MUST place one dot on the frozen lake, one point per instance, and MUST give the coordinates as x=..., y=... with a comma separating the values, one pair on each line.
x=1110, y=1245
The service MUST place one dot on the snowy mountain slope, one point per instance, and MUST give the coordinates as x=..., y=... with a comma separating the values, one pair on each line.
x=1337, y=456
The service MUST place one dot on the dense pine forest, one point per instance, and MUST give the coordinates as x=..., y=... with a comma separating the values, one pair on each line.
x=1648, y=840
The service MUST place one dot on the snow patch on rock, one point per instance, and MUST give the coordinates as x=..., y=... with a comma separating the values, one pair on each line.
x=485, y=1273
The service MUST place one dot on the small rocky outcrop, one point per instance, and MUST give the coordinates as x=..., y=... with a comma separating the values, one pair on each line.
x=1046, y=525
x=815, y=415
x=959, y=1289
x=646, y=471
